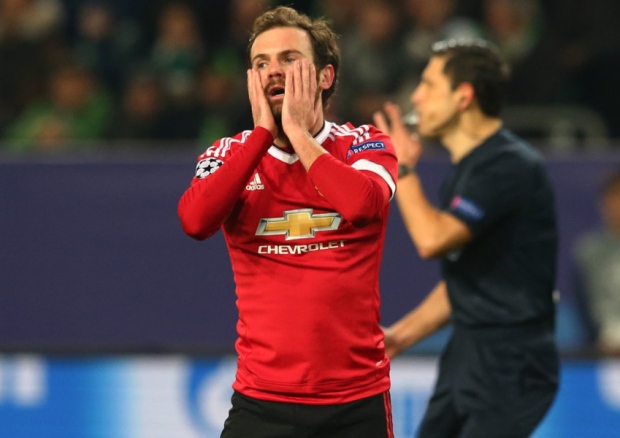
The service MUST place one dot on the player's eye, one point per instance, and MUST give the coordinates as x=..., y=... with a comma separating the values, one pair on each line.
x=261, y=64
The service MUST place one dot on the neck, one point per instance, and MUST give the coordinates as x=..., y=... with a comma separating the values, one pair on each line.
x=470, y=133
x=283, y=142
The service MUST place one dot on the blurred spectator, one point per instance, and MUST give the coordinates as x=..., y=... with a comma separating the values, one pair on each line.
x=515, y=26
x=105, y=43
x=224, y=103
x=341, y=14
x=75, y=113
x=562, y=52
x=371, y=61
x=30, y=19
x=178, y=51
x=142, y=111
x=232, y=48
x=589, y=52
x=597, y=254
x=518, y=28
x=30, y=44
x=428, y=22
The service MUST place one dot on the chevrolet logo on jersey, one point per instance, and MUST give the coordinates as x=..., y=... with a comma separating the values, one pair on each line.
x=298, y=224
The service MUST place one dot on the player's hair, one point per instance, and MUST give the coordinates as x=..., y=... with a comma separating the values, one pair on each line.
x=477, y=62
x=323, y=39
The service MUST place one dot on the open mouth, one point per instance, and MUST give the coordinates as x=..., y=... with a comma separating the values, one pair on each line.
x=276, y=91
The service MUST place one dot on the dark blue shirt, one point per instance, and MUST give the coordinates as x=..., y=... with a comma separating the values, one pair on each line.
x=506, y=273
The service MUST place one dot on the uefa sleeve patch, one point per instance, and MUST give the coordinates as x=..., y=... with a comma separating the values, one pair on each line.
x=466, y=208
x=368, y=146
x=207, y=166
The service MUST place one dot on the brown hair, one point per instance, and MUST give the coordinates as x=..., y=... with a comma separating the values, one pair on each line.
x=478, y=62
x=322, y=38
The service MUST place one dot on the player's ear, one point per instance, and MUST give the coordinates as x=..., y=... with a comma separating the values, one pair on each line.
x=466, y=95
x=326, y=77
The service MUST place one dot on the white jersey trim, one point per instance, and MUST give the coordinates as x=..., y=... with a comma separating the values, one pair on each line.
x=289, y=158
x=359, y=134
x=283, y=156
x=379, y=170
x=324, y=133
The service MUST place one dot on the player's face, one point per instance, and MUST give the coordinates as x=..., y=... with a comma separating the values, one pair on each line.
x=272, y=54
x=436, y=103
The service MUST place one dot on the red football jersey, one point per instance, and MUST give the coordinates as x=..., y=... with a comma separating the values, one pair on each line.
x=307, y=278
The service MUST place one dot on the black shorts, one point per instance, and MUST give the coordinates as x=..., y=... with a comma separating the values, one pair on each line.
x=366, y=418
x=493, y=382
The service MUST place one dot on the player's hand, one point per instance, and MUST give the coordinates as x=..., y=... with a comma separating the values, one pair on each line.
x=407, y=144
x=392, y=348
x=261, y=111
x=301, y=108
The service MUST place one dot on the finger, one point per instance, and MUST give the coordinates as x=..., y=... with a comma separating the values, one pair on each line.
x=289, y=83
x=392, y=110
x=305, y=77
x=250, y=85
x=315, y=96
x=254, y=84
x=254, y=92
x=258, y=85
x=299, y=86
x=258, y=89
x=381, y=122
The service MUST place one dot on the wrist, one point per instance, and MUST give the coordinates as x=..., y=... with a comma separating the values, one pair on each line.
x=295, y=131
x=404, y=170
x=297, y=136
x=400, y=341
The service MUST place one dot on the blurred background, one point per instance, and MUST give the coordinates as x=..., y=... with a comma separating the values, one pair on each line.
x=113, y=323
x=80, y=74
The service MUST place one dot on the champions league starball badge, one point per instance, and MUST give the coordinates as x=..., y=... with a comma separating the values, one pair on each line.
x=206, y=167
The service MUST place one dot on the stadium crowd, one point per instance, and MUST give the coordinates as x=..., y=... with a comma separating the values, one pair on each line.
x=78, y=74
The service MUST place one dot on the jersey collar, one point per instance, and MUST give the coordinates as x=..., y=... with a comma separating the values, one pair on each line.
x=289, y=158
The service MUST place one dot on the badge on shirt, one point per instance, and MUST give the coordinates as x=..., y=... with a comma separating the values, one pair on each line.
x=207, y=166
x=466, y=208
x=370, y=145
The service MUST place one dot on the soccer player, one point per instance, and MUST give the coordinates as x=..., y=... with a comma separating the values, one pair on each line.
x=495, y=232
x=303, y=205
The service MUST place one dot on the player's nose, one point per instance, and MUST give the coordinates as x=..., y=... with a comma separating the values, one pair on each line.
x=275, y=70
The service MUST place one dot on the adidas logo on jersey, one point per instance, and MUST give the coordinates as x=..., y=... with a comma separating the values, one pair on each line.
x=256, y=184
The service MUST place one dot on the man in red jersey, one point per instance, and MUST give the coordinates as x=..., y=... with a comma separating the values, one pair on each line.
x=303, y=205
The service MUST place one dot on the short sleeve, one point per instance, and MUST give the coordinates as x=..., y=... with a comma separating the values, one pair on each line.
x=493, y=189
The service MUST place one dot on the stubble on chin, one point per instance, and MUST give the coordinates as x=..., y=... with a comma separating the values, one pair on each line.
x=276, y=110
